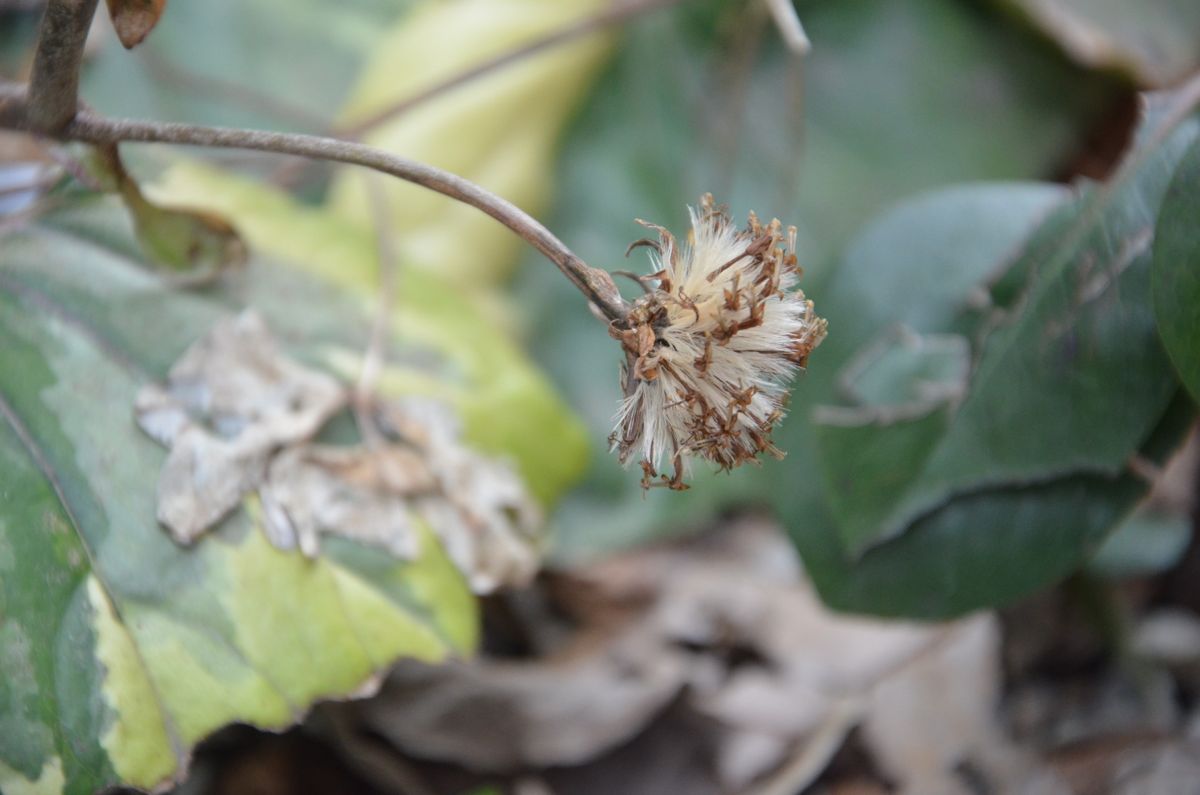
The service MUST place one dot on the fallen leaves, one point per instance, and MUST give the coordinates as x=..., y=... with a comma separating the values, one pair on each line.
x=239, y=416
x=723, y=639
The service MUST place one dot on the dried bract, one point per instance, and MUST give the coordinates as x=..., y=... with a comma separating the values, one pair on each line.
x=712, y=345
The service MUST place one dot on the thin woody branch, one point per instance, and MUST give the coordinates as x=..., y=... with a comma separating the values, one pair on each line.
x=54, y=83
x=89, y=127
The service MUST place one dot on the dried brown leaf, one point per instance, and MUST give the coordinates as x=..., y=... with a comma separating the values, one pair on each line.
x=502, y=717
x=230, y=401
x=238, y=415
x=134, y=19
x=350, y=492
x=727, y=629
x=481, y=510
x=937, y=716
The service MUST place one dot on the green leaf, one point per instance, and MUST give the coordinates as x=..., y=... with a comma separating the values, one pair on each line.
x=1157, y=41
x=499, y=130
x=669, y=122
x=907, y=372
x=869, y=465
x=1145, y=544
x=122, y=649
x=1176, y=277
x=197, y=245
x=922, y=265
x=1077, y=353
x=1026, y=513
x=982, y=550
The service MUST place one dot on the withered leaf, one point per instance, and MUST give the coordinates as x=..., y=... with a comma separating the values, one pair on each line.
x=238, y=416
x=353, y=492
x=481, y=511
x=197, y=245
x=134, y=19
x=230, y=401
x=505, y=717
x=726, y=629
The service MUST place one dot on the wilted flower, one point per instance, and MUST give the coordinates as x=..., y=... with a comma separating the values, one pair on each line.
x=712, y=345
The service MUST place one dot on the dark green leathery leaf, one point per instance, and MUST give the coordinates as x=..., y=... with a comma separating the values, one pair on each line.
x=1024, y=513
x=1176, y=278
x=1072, y=378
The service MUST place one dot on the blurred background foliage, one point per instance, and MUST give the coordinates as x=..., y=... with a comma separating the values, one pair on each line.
x=1013, y=473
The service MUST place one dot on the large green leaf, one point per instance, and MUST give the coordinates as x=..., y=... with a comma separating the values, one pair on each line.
x=1078, y=384
x=917, y=268
x=1077, y=353
x=1176, y=279
x=982, y=550
x=500, y=130
x=871, y=115
x=121, y=649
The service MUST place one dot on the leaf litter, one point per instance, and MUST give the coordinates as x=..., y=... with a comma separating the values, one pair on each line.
x=239, y=416
x=722, y=639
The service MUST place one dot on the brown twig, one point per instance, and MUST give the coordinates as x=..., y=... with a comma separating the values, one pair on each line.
x=54, y=83
x=50, y=106
x=89, y=127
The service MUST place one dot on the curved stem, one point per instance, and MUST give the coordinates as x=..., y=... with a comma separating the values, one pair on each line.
x=90, y=127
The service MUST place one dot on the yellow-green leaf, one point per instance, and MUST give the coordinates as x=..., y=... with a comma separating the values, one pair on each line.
x=498, y=130
x=120, y=648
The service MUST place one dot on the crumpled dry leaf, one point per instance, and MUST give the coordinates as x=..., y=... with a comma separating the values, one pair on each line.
x=937, y=718
x=238, y=416
x=477, y=507
x=315, y=489
x=726, y=628
x=501, y=717
x=482, y=512
x=230, y=401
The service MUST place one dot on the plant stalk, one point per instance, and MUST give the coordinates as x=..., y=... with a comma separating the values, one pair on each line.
x=54, y=82
x=89, y=127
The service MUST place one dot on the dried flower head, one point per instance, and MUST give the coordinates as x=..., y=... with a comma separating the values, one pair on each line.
x=711, y=346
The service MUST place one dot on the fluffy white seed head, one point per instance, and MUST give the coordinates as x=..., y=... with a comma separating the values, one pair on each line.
x=711, y=347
